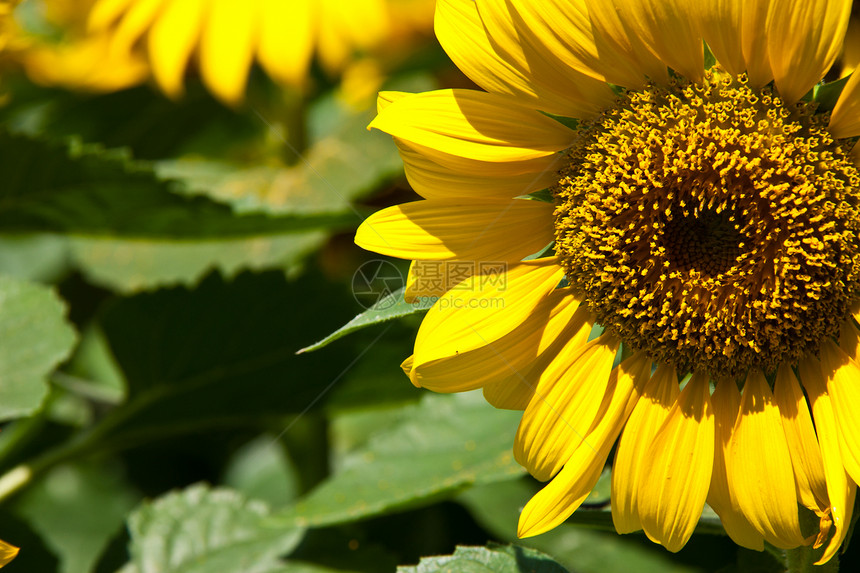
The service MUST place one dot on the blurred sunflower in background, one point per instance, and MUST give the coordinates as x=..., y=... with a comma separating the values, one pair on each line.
x=115, y=44
x=679, y=221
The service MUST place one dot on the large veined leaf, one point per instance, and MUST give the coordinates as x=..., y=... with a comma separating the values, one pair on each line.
x=74, y=189
x=328, y=176
x=222, y=355
x=440, y=446
x=342, y=162
x=34, y=338
x=492, y=559
x=202, y=530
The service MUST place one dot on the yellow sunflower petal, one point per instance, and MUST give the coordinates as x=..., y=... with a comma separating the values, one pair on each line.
x=387, y=97
x=555, y=317
x=677, y=468
x=348, y=25
x=134, y=23
x=727, y=401
x=464, y=38
x=721, y=24
x=475, y=125
x=286, y=39
x=227, y=48
x=850, y=57
x=105, y=12
x=8, y=552
x=566, y=401
x=406, y=365
x=849, y=339
x=492, y=170
x=511, y=393
x=804, y=39
x=801, y=439
x=515, y=391
x=754, y=42
x=566, y=492
x=629, y=465
x=582, y=95
x=759, y=466
x=466, y=229
x=565, y=29
x=840, y=489
x=612, y=29
x=842, y=374
x=484, y=308
x=845, y=118
x=432, y=180
x=681, y=49
x=171, y=41
x=430, y=279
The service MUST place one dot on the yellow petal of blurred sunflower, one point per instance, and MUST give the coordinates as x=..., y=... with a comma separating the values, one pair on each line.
x=222, y=39
x=708, y=220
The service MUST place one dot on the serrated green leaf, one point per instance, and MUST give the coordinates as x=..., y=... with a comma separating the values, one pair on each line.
x=387, y=308
x=328, y=176
x=77, y=509
x=492, y=559
x=443, y=444
x=203, y=530
x=34, y=338
x=69, y=188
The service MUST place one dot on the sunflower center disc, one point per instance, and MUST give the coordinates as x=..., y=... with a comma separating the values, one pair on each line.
x=711, y=225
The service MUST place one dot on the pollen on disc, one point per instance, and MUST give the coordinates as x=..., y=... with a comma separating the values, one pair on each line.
x=711, y=225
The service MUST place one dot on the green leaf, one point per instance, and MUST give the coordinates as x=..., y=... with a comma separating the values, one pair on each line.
x=41, y=258
x=203, y=530
x=34, y=338
x=223, y=356
x=343, y=162
x=497, y=507
x=84, y=190
x=77, y=509
x=132, y=265
x=261, y=470
x=492, y=559
x=300, y=567
x=440, y=446
x=140, y=118
x=828, y=94
x=387, y=308
x=328, y=176
x=92, y=372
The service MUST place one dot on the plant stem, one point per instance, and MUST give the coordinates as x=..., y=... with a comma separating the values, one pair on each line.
x=802, y=560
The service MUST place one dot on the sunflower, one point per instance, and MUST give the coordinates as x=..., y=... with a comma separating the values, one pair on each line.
x=223, y=38
x=678, y=220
